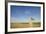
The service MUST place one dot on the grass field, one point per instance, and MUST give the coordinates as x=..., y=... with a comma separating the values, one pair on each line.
x=25, y=25
x=36, y=24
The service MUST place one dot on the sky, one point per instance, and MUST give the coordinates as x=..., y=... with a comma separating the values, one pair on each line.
x=22, y=13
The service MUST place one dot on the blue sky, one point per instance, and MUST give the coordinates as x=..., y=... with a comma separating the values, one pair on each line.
x=22, y=13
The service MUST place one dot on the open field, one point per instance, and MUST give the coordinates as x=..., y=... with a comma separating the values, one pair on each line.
x=20, y=25
x=25, y=25
x=35, y=24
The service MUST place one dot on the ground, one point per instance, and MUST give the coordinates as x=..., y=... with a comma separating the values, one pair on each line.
x=25, y=25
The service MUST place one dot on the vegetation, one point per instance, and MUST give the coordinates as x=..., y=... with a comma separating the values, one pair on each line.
x=25, y=25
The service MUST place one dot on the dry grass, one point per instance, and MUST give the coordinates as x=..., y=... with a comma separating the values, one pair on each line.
x=20, y=25
x=36, y=24
x=25, y=25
